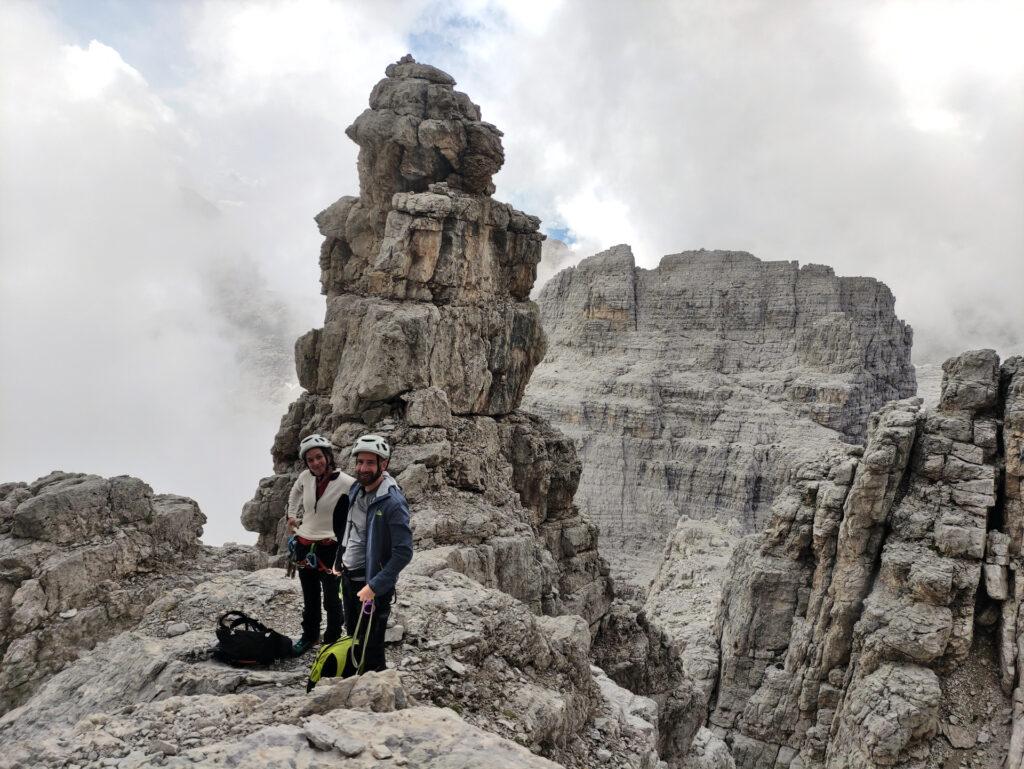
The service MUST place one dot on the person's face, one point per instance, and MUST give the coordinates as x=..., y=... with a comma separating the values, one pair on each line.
x=316, y=461
x=369, y=467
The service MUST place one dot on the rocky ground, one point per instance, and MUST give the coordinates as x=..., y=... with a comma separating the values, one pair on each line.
x=154, y=695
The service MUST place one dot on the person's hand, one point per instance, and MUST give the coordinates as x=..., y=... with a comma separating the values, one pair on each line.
x=293, y=523
x=366, y=594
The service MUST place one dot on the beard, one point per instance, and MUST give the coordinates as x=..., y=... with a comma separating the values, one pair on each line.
x=367, y=478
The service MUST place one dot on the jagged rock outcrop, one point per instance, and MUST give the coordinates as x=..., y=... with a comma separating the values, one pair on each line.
x=80, y=558
x=693, y=387
x=858, y=630
x=429, y=338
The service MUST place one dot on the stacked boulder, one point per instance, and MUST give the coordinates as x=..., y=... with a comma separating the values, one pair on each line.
x=430, y=339
x=857, y=630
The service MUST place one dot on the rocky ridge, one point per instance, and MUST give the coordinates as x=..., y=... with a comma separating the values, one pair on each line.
x=874, y=622
x=709, y=376
x=80, y=558
x=153, y=696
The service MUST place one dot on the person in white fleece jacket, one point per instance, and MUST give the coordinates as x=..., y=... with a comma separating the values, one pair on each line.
x=319, y=496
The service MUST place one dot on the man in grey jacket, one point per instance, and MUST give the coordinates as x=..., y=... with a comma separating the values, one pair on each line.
x=376, y=544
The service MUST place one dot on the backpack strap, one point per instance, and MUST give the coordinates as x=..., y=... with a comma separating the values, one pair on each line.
x=240, y=619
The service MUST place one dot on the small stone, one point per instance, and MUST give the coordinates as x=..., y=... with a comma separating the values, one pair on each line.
x=380, y=752
x=163, y=747
x=320, y=735
x=348, y=746
x=68, y=613
x=958, y=736
x=455, y=666
x=177, y=628
x=401, y=760
x=603, y=755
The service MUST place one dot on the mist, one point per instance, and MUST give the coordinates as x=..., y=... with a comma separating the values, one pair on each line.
x=160, y=165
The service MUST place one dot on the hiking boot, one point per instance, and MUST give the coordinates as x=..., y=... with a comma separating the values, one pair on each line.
x=302, y=646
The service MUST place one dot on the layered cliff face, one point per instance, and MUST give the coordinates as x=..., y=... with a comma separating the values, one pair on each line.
x=692, y=388
x=874, y=622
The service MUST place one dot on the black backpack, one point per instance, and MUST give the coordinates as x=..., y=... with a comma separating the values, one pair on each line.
x=245, y=642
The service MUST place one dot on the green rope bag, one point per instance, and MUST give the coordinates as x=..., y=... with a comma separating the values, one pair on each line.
x=343, y=658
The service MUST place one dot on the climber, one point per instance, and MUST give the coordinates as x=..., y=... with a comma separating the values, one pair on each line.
x=321, y=493
x=376, y=543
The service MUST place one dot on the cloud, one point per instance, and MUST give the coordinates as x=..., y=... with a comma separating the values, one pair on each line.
x=137, y=330
x=162, y=164
x=881, y=139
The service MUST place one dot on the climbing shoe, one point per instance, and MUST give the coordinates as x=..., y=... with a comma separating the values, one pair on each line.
x=302, y=646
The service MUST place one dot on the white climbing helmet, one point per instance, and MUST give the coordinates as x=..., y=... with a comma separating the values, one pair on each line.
x=313, y=442
x=373, y=444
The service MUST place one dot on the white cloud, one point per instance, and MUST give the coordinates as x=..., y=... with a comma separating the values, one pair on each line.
x=882, y=138
x=597, y=217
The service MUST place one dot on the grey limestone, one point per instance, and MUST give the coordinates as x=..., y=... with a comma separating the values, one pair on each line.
x=692, y=388
x=848, y=628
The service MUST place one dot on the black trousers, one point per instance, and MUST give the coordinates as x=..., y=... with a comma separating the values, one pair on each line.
x=351, y=584
x=316, y=583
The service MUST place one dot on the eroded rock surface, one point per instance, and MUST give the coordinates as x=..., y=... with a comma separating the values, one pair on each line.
x=692, y=388
x=429, y=339
x=151, y=697
x=80, y=558
x=846, y=627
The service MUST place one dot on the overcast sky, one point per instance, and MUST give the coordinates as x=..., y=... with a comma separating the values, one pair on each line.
x=160, y=164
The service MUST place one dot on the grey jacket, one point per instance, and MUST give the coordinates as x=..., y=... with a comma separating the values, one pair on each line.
x=388, y=538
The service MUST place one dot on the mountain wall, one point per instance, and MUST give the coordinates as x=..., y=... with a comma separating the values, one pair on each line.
x=693, y=387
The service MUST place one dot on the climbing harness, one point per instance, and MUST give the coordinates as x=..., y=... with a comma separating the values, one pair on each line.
x=309, y=559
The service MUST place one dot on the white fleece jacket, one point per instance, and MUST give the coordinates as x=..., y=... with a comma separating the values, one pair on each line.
x=316, y=516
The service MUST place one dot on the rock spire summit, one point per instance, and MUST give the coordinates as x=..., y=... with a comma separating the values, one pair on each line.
x=430, y=338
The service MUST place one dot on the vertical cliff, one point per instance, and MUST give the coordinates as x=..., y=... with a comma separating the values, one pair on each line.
x=860, y=629
x=693, y=387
